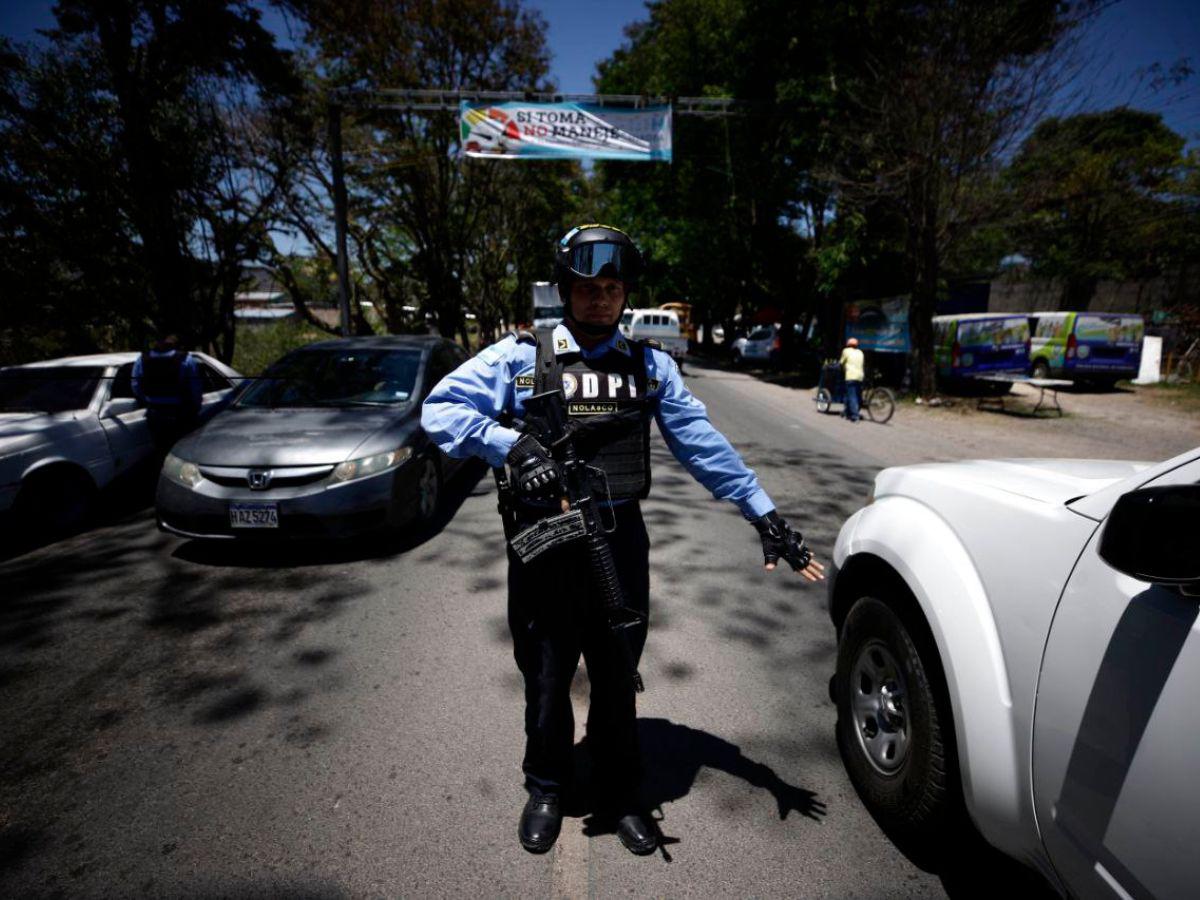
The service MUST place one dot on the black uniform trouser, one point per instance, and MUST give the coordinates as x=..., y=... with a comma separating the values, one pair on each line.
x=554, y=616
x=169, y=424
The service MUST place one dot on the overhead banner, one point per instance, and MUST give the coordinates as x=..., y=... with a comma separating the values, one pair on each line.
x=518, y=130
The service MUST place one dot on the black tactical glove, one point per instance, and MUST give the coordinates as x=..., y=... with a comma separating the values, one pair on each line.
x=534, y=472
x=780, y=540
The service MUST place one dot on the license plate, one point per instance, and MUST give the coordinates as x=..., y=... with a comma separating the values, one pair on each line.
x=253, y=515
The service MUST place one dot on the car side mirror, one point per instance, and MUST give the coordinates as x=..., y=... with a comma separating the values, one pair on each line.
x=119, y=407
x=1153, y=535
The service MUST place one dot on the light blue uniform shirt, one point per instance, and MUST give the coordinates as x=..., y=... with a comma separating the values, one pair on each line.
x=460, y=414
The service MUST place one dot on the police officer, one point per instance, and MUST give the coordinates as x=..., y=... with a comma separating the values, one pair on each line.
x=166, y=380
x=552, y=610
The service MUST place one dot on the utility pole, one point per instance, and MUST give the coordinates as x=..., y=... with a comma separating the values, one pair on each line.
x=339, y=213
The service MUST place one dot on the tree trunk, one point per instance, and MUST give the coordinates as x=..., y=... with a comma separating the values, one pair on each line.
x=921, y=309
x=831, y=324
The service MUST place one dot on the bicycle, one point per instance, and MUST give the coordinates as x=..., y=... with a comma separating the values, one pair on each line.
x=878, y=402
x=1184, y=371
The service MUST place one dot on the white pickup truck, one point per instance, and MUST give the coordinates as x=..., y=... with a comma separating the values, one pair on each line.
x=1019, y=640
x=658, y=325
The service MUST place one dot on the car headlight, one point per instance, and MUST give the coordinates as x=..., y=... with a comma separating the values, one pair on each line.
x=369, y=465
x=181, y=471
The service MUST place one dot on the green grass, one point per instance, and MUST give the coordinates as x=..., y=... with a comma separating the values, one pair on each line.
x=257, y=346
x=1183, y=397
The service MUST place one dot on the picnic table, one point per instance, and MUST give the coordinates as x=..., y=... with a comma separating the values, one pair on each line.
x=1042, y=384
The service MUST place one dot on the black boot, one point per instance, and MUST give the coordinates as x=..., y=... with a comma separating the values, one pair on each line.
x=637, y=833
x=540, y=823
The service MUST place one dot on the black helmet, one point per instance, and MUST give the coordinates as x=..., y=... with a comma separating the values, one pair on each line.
x=591, y=251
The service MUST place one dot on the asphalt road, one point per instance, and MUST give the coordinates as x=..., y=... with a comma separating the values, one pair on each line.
x=186, y=720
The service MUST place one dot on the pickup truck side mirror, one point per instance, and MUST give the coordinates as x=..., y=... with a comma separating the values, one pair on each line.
x=118, y=407
x=1153, y=534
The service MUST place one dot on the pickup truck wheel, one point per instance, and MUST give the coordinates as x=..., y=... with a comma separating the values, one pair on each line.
x=889, y=725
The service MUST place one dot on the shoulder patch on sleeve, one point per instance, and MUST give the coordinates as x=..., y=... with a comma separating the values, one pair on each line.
x=653, y=344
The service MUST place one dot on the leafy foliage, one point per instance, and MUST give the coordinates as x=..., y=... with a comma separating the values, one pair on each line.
x=1104, y=195
x=124, y=207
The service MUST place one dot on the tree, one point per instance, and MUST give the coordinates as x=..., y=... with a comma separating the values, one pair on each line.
x=1102, y=195
x=122, y=155
x=423, y=213
x=932, y=97
x=721, y=224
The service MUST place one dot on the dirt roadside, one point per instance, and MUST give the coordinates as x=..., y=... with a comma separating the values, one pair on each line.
x=1127, y=423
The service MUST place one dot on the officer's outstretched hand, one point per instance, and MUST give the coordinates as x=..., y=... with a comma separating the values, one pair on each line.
x=534, y=471
x=781, y=541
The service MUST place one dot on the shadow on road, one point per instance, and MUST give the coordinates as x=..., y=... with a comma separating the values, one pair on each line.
x=673, y=756
x=110, y=635
x=125, y=498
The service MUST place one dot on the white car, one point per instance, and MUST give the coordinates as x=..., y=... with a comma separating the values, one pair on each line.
x=70, y=427
x=757, y=346
x=1020, y=638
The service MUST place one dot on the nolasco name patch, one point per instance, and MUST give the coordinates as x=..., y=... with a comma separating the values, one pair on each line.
x=586, y=408
x=523, y=381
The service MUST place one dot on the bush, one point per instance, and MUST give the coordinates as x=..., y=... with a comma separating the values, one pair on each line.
x=257, y=346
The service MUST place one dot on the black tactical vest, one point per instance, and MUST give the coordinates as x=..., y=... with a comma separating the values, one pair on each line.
x=161, y=380
x=597, y=389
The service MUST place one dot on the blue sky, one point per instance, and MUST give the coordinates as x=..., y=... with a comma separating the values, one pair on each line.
x=1124, y=41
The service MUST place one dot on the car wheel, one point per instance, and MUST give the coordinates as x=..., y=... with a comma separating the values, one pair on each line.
x=1041, y=369
x=891, y=720
x=429, y=492
x=737, y=359
x=56, y=502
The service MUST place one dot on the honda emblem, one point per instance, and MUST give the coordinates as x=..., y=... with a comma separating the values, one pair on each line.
x=259, y=479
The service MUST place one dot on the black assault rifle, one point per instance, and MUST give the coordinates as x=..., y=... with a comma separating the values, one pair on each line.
x=580, y=520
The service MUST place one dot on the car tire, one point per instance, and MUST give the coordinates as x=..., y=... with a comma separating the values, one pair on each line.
x=55, y=502
x=1041, y=369
x=429, y=492
x=737, y=359
x=889, y=694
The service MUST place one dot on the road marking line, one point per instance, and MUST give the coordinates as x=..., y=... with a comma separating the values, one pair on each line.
x=572, y=853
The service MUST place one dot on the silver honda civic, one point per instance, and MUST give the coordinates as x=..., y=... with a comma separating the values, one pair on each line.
x=327, y=443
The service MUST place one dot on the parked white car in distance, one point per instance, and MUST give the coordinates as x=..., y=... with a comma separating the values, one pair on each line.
x=69, y=427
x=655, y=324
x=1027, y=630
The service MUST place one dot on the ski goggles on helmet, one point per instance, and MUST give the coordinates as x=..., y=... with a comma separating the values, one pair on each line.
x=604, y=258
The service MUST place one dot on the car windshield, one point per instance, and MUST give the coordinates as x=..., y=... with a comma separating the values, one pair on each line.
x=759, y=334
x=337, y=377
x=627, y=318
x=48, y=388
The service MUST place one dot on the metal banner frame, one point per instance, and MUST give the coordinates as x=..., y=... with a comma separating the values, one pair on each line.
x=450, y=101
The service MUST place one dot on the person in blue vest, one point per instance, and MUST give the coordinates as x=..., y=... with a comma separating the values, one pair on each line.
x=552, y=609
x=166, y=380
